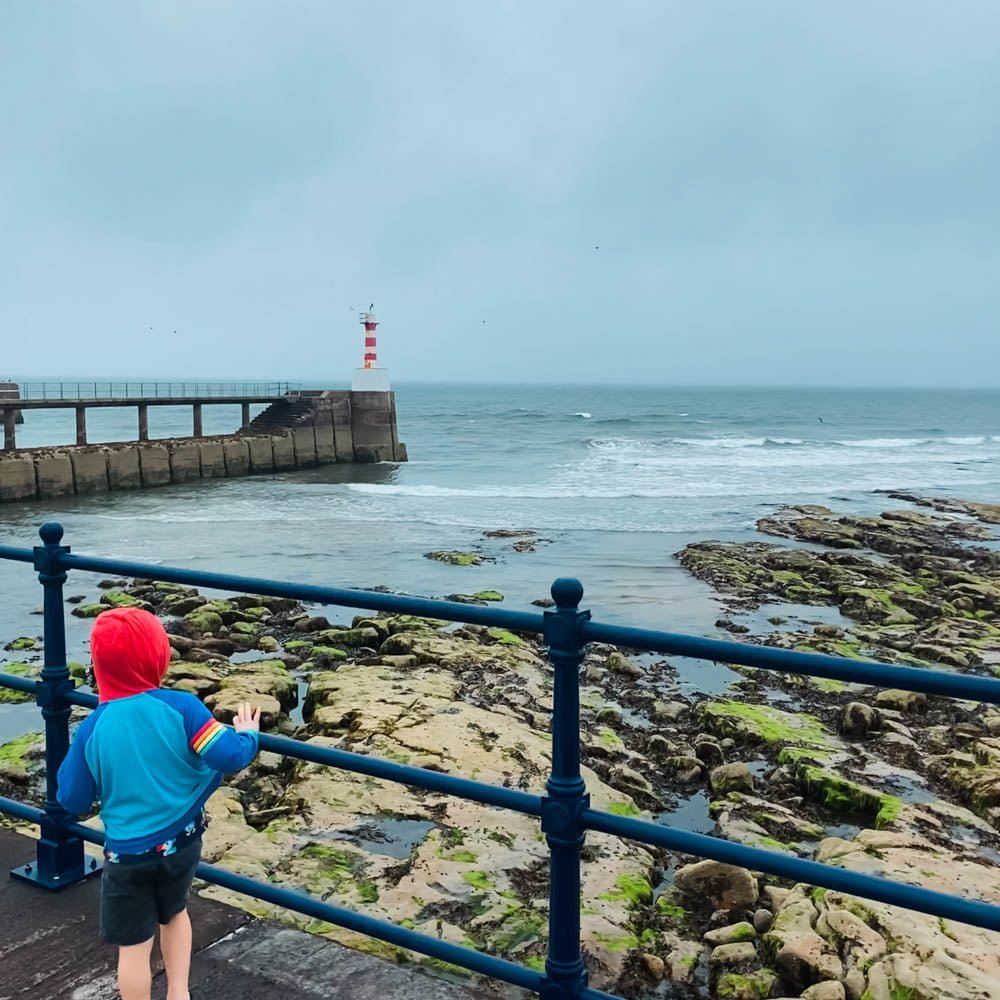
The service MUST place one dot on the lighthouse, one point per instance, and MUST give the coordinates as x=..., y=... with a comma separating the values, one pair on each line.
x=370, y=378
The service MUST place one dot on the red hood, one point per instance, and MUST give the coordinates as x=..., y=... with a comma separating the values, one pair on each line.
x=131, y=652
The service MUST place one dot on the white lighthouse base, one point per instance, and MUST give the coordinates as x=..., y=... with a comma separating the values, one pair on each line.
x=370, y=380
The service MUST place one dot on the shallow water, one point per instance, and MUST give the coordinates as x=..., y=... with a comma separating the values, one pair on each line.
x=616, y=480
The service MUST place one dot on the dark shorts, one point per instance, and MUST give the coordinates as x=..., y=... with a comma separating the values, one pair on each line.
x=136, y=897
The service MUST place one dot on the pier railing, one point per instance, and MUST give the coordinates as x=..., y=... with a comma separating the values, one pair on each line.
x=100, y=391
x=564, y=810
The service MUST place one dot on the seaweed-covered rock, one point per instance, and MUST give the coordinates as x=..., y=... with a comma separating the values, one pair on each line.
x=989, y=513
x=459, y=558
x=204, y=622
x=89, y=610
x=22, y=760
x=765, y=724
x=122, y=599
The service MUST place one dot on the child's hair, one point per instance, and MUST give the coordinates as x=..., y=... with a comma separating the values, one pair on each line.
x=131, y=652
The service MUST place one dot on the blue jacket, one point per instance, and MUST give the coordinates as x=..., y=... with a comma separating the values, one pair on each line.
x=152, y=760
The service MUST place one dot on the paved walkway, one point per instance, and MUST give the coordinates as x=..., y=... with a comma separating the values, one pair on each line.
x=49, y=950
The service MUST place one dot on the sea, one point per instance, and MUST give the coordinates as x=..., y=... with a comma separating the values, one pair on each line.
x=614, y=480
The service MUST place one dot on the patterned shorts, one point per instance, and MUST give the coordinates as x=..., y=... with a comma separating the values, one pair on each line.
x=139, y=891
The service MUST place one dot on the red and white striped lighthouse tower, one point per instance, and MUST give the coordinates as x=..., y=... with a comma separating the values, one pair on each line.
x=369, y=322
x=369, y=378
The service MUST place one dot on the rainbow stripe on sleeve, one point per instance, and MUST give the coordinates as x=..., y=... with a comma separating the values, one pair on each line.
x=206, y=736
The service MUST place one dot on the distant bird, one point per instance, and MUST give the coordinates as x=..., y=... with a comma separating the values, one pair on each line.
x=371, y=306
x=820, y=419
x=484, y=322
x=597, y=248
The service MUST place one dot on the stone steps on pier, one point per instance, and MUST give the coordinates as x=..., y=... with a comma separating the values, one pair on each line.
x=283, y=414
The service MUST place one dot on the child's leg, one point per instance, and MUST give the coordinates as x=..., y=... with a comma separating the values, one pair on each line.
x=175, y=946
x=135, y=979
x=176, y=873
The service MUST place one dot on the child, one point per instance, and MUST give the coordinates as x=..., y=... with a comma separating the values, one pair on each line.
x=152, y=758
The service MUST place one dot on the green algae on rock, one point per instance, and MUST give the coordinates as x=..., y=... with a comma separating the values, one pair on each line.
x=77, y=672
x=11, y=697
x=204, y=622
x=22, y=758
x=22, y=644
x=89, y=610
x=459, y=558
x=766, y=724
x=844, y=797
x=121, y=599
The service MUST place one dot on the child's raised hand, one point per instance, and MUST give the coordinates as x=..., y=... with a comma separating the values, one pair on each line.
x=247, y=719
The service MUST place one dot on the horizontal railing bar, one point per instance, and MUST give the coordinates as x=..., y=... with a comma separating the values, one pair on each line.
x=938, y=682
x=937, y=904
x=8, y=552
x=376, y=767
x=454, y=954
x=487, y=965
x=82, y=698
x=21, y=810
x=935, y=682
x=28, y=685
x=423, y=607
x=404, y=774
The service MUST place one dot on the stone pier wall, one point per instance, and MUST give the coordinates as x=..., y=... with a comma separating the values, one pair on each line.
x=361, y=425
x=47, y=473
x=343, y=427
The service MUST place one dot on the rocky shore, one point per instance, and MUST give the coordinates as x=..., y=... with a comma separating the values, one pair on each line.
x=884, y=782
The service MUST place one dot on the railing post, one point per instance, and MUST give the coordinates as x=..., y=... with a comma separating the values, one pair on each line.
x=81, y=425
x=567, y=795
x=10, y=429
x=60, y=858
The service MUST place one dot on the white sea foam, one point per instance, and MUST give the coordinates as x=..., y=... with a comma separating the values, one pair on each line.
x=733, y=442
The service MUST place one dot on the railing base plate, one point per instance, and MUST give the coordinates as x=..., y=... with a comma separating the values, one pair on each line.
x=31, y=874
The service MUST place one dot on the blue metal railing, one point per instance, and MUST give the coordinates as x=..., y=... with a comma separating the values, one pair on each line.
x=564, y=810
x=101, y=391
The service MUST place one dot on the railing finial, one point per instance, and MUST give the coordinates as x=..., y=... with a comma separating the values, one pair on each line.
x=567, y=592
x=51, y=533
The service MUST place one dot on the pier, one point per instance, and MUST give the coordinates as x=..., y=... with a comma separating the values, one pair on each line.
x=82, y=396
x=298, y=429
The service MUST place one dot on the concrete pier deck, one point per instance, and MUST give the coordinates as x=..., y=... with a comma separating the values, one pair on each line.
x=49, y=950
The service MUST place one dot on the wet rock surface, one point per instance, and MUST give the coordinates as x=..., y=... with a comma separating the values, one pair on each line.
x=880, y=781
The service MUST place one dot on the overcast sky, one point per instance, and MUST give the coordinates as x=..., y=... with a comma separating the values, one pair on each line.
x=759, y=192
